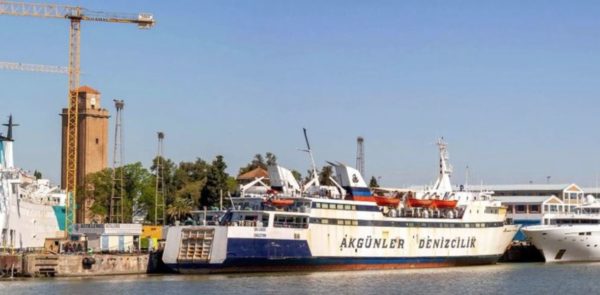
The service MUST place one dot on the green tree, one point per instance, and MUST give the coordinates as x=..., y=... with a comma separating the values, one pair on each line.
x=99, y=185
x=137, y=186
x=373, y=183
x=309, y=175
x=37, y=174
x=189, y=180
x=216, y=183
x=271, y=159
x=168, y=172
x=259, y=161
x=325, y=174
x=180, y=208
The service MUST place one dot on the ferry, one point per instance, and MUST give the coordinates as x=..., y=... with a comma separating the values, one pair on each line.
x=569, y=236
x=344, y=227
x=31, y=209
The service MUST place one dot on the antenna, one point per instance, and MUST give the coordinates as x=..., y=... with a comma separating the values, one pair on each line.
x=10, y=126
x=116, y=201
x=159, y=195
x=312, y=159
x=360, y=155
x=467, y=176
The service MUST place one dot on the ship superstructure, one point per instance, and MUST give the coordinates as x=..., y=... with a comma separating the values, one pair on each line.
x=352, y=229
x=31, y=209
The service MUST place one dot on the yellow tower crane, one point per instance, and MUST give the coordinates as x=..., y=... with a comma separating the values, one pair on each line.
x=75, y=15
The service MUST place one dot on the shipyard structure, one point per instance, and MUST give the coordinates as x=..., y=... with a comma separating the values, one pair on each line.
x=92, y=145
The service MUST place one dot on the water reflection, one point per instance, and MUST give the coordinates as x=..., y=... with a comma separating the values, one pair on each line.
x=535, y=278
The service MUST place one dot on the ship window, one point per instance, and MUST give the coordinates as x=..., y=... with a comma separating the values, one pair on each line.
x=317, y=205
x=97, y=140
x=520, y=208
x=340, y=222
x=354, y=222
x=290, y=221
x=588, y=234
x=347, y=207
x=340, y=207
x=347, y=222
x=325, y=221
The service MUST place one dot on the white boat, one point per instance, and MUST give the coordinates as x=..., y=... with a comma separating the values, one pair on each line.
x=31, y=209
x=317, y=230
x=573, y=236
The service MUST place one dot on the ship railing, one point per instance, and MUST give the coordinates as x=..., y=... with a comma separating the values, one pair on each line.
x=206, y=222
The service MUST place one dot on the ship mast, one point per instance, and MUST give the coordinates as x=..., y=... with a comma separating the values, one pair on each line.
x=442, y=184
x=315, y=180
x=6, y=145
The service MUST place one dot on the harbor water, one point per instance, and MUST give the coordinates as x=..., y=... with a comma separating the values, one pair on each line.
x=510, y=278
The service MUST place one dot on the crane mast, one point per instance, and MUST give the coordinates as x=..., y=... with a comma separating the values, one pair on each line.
x=75, y=15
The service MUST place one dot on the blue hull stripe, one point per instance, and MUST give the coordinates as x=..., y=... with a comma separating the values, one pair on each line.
x=251, y=254
x=267, y=248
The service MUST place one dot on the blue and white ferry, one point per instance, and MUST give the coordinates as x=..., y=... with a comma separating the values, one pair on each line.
x=320, y=228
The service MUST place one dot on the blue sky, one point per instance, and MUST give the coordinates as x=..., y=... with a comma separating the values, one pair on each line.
x=511, y=85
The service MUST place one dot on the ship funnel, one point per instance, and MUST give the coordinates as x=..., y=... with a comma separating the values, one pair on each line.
x=351, y=180
x=283, y=180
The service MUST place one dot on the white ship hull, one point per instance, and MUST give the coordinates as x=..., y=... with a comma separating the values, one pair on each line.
x=27, y=217
x=31, y=210
x=564, y=243
x=338, y=240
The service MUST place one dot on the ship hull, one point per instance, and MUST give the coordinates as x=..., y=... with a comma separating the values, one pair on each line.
x=566, y=243
x=232, y=249
x=240, y=265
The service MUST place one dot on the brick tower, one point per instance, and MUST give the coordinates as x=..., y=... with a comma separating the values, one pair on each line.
x=92, y=145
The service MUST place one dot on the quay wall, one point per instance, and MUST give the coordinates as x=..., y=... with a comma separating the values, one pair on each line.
x=10, y=265
x=61, y=265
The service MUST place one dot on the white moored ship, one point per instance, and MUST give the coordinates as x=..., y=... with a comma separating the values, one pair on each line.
x=31, y=210
x=569, y=236
x=318, y=229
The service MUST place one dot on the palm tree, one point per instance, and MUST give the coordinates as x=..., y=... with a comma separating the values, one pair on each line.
x=179, y=208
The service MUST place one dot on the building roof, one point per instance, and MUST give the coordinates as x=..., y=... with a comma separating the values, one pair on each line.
x=255, y=173
x=591, y=190
x=522, y=199
x=87, y=89
x=521, y=187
